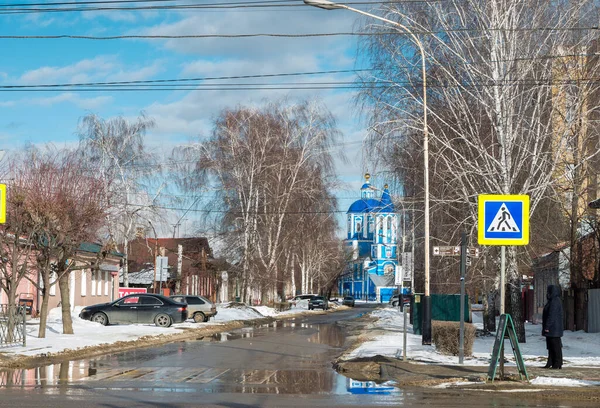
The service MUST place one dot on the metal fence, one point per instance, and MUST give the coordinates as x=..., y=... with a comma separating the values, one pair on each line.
x=12, y=326
x=593, y=310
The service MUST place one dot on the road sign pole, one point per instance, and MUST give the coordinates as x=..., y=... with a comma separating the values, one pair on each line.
x=502, y=297
x=463, y=268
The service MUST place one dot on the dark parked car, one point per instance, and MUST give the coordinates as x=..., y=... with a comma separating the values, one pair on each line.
x=199, y=308
x=348, y=301
x=318, y=302
x=137, y=308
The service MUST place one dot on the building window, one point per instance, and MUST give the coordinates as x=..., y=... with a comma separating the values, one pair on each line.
x=83, y=282
x=358, y=226
x=93, y=291
x=106, y=282
x=388, y=252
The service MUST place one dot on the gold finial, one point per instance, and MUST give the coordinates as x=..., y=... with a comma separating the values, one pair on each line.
x=367, y=176
x=385, y=187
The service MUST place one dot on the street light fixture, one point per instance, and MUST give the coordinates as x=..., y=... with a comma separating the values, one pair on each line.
x=426, y=310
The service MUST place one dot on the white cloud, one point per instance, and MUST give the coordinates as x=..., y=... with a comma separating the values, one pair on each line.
x=258, y=48
x=138, y=74
x=74, y=98
x=81, y=71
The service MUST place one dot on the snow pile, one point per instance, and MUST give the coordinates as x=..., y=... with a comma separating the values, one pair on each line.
x=563, y=382
x=235, y=311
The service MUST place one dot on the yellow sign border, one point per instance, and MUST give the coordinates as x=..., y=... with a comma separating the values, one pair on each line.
x=2, y=203
x=484, y=198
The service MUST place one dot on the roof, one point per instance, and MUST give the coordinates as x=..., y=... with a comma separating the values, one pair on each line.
x=143, y=277
x=386, y=202
x=94, y=248
x=362, y=205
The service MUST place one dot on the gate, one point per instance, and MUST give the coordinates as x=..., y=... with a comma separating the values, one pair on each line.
x=593, y=310
x=12, y=326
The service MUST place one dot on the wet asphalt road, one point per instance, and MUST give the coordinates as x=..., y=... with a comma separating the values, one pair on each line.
x=284, y=364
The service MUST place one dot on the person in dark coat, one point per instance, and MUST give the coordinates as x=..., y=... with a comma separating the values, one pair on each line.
x=552, y=327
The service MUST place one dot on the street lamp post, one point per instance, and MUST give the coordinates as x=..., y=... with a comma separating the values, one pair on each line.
x=426, y=310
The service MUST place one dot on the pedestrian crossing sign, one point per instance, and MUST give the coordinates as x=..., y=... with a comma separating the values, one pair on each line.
x=503, y=219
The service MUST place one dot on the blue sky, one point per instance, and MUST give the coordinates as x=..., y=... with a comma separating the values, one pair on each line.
x=52, y=117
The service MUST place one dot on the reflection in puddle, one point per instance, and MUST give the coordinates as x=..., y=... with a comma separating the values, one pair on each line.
x=172, y=368
x=370, y=387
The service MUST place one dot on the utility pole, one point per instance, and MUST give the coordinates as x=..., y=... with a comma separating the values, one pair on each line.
x=179, y=263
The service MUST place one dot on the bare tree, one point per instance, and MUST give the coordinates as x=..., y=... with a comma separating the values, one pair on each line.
x=16, y=239
x=116, y=147
x=65, y=206
x=490, y=72
x=261, y=161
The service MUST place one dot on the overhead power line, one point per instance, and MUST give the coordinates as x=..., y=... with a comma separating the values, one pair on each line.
x=198, y=79
x=296, y=86
x=87, y=6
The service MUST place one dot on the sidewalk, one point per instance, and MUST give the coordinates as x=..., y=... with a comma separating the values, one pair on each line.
x=379, y=350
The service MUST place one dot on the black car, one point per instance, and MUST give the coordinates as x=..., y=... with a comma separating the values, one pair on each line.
x=137, y=308
x=348, y=301
x=318, y=302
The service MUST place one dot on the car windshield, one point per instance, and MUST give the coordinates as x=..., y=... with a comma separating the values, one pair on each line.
x=317, y=298
x=348, y=298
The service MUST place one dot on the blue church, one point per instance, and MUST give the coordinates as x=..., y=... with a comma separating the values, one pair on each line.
x=372, y=241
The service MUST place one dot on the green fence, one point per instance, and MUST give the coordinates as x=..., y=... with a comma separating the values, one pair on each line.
x=443, y=307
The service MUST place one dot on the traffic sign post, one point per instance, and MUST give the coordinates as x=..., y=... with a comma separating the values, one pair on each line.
x=503, y=220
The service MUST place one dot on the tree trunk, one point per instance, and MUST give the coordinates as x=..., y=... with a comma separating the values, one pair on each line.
x=489, y=312
x=44, y=306
x=513, y=294
x=65, y=302
x=12, y=313
x=126, y=265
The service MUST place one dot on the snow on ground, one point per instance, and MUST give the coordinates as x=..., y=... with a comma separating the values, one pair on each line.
x=562, y=382
x=579, y=348
x=93, y=334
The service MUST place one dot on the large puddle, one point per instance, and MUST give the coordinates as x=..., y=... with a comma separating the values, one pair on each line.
x=281, y=366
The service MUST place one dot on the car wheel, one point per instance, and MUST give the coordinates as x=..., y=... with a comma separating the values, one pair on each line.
x=309, y=308
x=200, y=317
x=162, y=320
x=395, y=304
x=100, y=318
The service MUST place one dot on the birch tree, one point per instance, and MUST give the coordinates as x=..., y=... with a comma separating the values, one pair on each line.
x=117, y=149
x=259, y=159
x=490, y=75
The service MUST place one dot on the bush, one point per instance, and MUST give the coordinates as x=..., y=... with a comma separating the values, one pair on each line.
x=446, y=337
